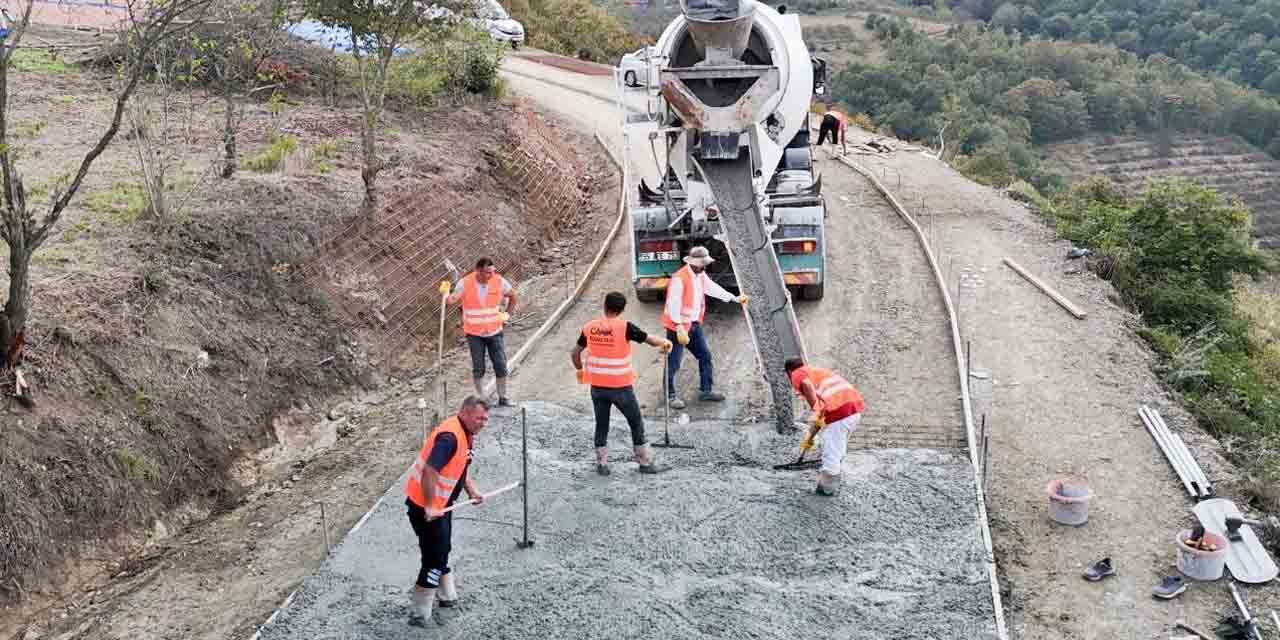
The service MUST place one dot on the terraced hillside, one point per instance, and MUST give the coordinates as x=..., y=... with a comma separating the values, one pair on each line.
x=1227, y=164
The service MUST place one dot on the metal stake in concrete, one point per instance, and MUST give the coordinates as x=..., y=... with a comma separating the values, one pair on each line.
x=524, y=478
x=324, y=527
x=666, y=413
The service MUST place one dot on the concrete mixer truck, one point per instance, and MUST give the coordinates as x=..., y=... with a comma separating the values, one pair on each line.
x=729, y=88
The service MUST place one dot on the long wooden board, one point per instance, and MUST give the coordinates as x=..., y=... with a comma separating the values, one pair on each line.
x=1049, y=291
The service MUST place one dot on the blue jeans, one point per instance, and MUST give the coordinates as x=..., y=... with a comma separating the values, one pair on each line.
x=492, y=345
x=698, y=347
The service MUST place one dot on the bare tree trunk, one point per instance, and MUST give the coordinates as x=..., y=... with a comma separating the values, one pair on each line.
x=372, y=165
x=13, y=325
x=229, y=136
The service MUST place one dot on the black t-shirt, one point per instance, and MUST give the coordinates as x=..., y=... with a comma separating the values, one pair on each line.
x=634, y=334
x=441, y=451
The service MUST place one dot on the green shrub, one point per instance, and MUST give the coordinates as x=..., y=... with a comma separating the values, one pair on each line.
x=273, y=156
x=1177, y=252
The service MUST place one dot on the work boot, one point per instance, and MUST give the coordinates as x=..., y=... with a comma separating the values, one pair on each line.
x=448, y=592
x=644, y=456
x=602, y=461
x=501, y=385
x=421, y=601
x=828, y=485
x=711, y=396
x=676, y=403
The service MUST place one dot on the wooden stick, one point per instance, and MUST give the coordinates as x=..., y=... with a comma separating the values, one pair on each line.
x=1057, y=297
x=486, y=497
x=1183, y=625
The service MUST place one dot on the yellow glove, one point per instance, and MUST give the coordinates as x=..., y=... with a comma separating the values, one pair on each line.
x=743, y=299
x=504, y=316
x=582, y=376
x=666, y=346
x=445, y=288
x=819, y=423
x=682, y=336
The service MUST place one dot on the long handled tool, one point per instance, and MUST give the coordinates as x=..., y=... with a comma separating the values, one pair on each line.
x=800, y=463
x=666, y=413
x=486, y=497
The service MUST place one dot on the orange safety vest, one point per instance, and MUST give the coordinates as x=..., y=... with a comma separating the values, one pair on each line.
x=480, y=316
x=608, y=362
x=449, y=476
x=686, y=276
x=839, y=399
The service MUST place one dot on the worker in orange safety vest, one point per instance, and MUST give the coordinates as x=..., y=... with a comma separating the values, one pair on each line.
x=603, y=360
x=834, y=124
x=837, y=408
x=481, y=293
x=436, y=480
x=683, y=314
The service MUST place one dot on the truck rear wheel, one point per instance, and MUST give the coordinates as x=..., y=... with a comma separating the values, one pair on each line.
x=648, y=295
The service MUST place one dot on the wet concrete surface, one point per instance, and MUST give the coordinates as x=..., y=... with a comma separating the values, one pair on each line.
x=720, y=546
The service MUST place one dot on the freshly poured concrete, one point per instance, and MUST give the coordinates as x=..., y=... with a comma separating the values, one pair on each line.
x=722, y=546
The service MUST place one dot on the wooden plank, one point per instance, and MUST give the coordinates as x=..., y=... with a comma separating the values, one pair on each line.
x=1057, y=297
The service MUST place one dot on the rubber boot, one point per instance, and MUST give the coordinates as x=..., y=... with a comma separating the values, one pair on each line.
x=501, y=383
x=448, y=592
x=644, y=456
x=421, y=601
x=828, y=485
x=602, y=461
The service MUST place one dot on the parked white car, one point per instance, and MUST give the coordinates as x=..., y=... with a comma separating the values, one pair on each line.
x=634, y=67
x=495, y=21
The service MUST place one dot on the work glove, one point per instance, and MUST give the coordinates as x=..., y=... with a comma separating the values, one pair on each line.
x=503, y=316
x=819, y=423
x=682, y=336
x=582, y=376
x=445, y=288
x=666, y=346
x=743, y=299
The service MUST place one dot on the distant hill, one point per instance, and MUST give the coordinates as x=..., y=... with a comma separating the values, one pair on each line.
x=1225, y=163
